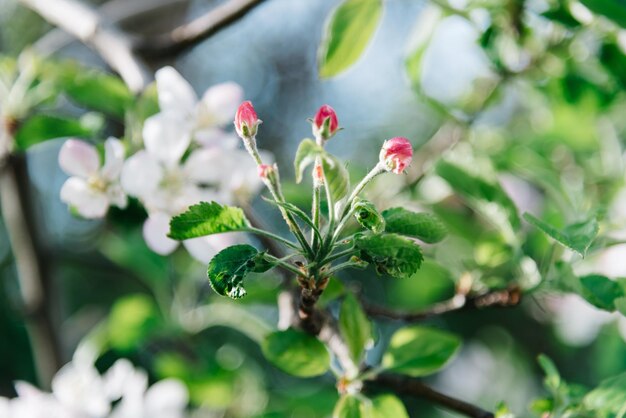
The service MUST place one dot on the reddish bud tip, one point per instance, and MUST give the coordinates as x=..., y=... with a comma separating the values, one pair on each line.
x=246, y=120
x=325, y=123
x=396, y=154
x=264, y=170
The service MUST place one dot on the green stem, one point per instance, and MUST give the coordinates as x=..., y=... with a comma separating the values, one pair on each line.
x=342, y=266
x=282, y=264
x=337, y=256
x=315, y=210
x=291, y=222
x=288, y=243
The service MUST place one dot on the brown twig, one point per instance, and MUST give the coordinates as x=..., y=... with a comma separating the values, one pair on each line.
x=112, y=44
x=189, y=34
x=409, y=386
x=30, y=269
x=496, y=298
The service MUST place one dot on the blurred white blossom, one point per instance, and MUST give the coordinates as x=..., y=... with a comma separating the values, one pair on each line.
x=79, y=391
x=93, y=186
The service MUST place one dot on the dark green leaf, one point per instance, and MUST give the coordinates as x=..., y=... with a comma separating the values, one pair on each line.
x=354, y=326
x=229, y=267
x=366, y=214
x=305, y=156
x=578, y=236
x=424, y=226
x=206, y=219
x=476, y=188
x=392, y=254
x=348, y=32
x=609, y=396
x=336, y=176
x=601, y=291
x=620, y=305
x=296, y=353
x=612, y=9
x=40, y=128
x=420, y=351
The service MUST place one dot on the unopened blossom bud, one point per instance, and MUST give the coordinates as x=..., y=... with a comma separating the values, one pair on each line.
x=325, y=123
x=396, y=154
x=246, y=121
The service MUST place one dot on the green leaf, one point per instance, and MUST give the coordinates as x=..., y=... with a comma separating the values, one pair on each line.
x=349, y=406
x=348, y=32
x=388, y=406
x=620, y=305
x=99, y=91
x=296, y=353
x=479, y=189
x=424, y=226
x=40, y=128
x=577, y=237
x=614, y=10
x=336, y=176
x=133, y=318
x=392, y=254
x=354, y=326
x=305, y=156
x=420, y=351
x=206, y=219
x=553, y=378
x=601, y=291
x=367, y=215
x=609, y=396
x=229, y=267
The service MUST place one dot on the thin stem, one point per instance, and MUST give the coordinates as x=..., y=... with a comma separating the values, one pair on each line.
x=268, y=234
x=342, y=266
x=337, y=256
x=315, y=210
x=283, y=264
x=378, y=169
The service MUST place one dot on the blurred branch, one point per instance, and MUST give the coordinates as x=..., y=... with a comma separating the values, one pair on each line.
x=496, y=298
x=114, y=11
x=113, y=45
x=405, y=385
x=191, y=33
x=30, y=267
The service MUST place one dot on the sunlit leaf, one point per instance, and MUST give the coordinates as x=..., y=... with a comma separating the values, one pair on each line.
x=296, y=353
x=420, y=351
x=424, y=226
x=354, y=326
x=206, y=219
x=609, y=396
x=347, y=34
x=133, y=318
x=578, y=236
x=305, y=156
x=40, y=128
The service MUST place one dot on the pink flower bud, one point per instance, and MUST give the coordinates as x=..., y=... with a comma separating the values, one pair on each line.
x=246, y=120
x=325, y=123
x=396, y=154
x=264, y=170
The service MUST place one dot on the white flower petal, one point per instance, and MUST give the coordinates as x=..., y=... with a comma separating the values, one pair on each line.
x=167, y=137
x=216, y=138
x=81, y=389
x=78, y=158
x=89, y=203
x=141, y=175
x=175, y=93
x=155, y=231
x=167, y=398
x=219, y=104
x=113, y=158
x=208, y=166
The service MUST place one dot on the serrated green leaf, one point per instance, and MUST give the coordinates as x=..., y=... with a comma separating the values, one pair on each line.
x=479, y=189
x=229, y=267
x=601, y=291
x=388, y=406
x=420, y=351
x=40, y=128
x=206, y=219
x=348, y=32
x=367, y=215
x=336, y=177
x=609, y=397
x=424, y=226
x=553, y=378
x=614, y=10
x=305, y=156
x=391, y=254
x=354, y=326
x=296, y=353
x=577, y=237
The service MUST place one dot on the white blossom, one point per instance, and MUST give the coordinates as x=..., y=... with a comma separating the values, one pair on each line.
x=93, y=186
